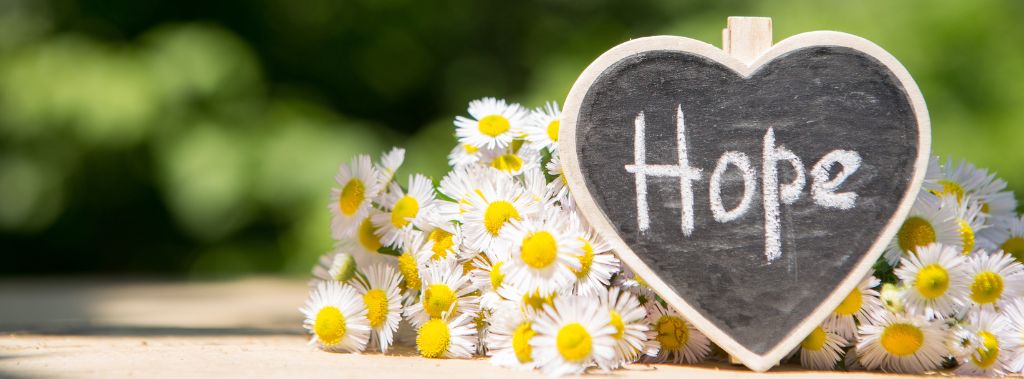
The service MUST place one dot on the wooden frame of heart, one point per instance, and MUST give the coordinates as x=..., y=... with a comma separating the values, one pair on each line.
x=744, y=62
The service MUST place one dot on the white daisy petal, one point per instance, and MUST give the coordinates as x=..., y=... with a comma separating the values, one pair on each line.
x=543, y=125
x=444, y=289
x=492, y=124
x=336, y=318
x=573, y=335
x=404, y=210
x=991, y=354
x=937, y=280
x=860, y=304
x=350, y=203
x=543, y=254
x=929, y=222
x=383, y=303
x=901, y=343
x=676, y=339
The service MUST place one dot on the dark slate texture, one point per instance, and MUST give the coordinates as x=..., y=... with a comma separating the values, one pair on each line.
x=817, y=99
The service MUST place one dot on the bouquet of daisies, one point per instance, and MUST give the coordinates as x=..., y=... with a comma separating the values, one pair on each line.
x=494, y=260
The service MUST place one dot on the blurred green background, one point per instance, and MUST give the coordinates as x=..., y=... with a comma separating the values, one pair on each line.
x=197, y=138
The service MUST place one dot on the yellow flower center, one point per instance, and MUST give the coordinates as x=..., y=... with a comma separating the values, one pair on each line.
x=553, y=130
x=405, y=208
x=433, y=338
x=986, y=288
x=367, y=238
x=814, y=341
x=967, y=236
x=932, y=281
x=672, y=332
x=470, y=149
x=521, y=342
x=494, y=125
x=914, y=233
x=508, y=163
x=497, y=277
x=442, y=243
x=1015, y=247
x=851, y=304
x=497, y=214
x=438, y=298
x=586, y=260
x=376, y=307
x=407, y=267
x=620, y=327
x=536, y=301
x=539, y=250
x=988, y=352
x=952, y=188
x=574, y=342
x=902, y=339
x=352, y=195
x=329, y=325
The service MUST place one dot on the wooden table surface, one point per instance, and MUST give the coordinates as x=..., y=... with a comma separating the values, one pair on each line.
x=89, y=328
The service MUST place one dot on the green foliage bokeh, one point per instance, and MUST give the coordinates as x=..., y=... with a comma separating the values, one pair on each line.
x=202, y=139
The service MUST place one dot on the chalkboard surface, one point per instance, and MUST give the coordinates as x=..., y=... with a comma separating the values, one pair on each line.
x=754, y=197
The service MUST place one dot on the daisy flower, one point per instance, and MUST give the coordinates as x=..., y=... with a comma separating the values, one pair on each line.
x=630, y=321
x=633, y=283
x=969, y=219
x=334, y=266
x=542, y=126
x=676, y=339
x=459, y=185
x=444, y=289
x=543, y=254
x=510, y=161
x=991, y=355
x=463, y=155
x=901, y=343
x=447, y=337
x=404, y=210
x=415, y=249
x=489, y=278
x=510, y=334
x=558, y=189
x=572, y=335
x=861, y=303
x=528, y=296
x=937, y=280
x=597, y=264
x=1006, y=234
x=1014, y=315
x=994, y=279
x=928, y=222
x=964, y=179
x=388, y=165
x=336, y=318
x=536, y=185
x=443, y=244
x=490, y=210
x=492, y=123
x=383, y=303
x=358, y=181
x=366, y=245
x=932, y=176
x=821, y=349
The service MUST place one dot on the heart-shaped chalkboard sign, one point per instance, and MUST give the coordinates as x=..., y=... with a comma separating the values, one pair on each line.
x=752, y=196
